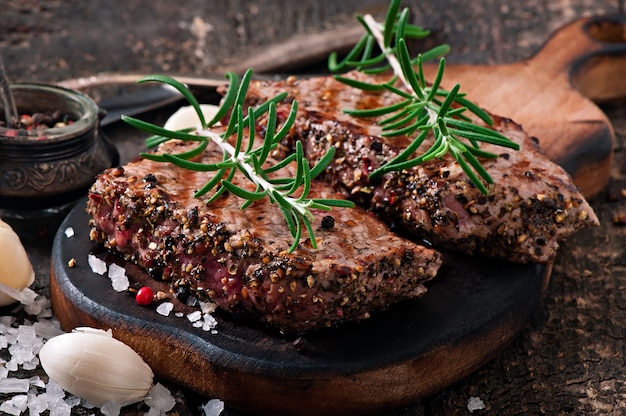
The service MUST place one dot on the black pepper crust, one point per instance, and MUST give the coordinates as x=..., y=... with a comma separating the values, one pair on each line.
x=239, y=259
x=532, y=205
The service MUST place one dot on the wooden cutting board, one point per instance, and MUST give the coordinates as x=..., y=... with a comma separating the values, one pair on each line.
x=553, y=94
x=472, y=310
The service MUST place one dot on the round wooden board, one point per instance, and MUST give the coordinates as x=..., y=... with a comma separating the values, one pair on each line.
x=472, y=310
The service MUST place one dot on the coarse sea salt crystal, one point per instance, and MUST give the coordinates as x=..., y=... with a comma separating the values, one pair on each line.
x=14, y=385
x=208, y=307
x=213, y=407
x=165, y=308
x=48, y=328
x=69, y=232
x=209, y=322
x=14, y=406
x=39, y=305
x=194, y=316
x=55, y=396
x=37, y=403
x=97, y=265
x=118, y=277
x=160, y=398
x=110, y=409
x=475, y=403
x=153, y=411
x=36, y=381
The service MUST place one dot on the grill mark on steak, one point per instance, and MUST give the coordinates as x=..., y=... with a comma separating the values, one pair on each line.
x=239, y=259
x=532, y=205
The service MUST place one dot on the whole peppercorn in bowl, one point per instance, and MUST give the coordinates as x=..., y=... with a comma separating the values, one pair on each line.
x=52, y=154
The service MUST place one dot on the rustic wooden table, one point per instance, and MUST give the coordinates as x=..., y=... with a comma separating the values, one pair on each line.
x=571, y=356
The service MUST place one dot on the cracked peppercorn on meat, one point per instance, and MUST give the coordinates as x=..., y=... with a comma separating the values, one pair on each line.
x=239, y=259
x=530, y=208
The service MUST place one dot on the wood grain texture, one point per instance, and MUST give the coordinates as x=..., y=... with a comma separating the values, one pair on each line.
x=473, y=309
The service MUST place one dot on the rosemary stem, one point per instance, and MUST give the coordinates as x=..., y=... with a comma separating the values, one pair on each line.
x=375, y=28
x=251, y=172
x=391, y=58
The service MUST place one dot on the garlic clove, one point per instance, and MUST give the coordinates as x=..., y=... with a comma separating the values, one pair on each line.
x=16, y=271
x=91, y=364
x=186, y=117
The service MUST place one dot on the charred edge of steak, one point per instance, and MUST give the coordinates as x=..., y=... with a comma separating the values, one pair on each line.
x=532, y=205
x=440, y=204
x=242, y=273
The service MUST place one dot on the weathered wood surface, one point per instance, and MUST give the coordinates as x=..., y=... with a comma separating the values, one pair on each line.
x=570, y=358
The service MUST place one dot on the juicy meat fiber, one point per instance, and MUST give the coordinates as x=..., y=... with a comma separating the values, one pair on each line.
x=239, y=259
x=532, y=205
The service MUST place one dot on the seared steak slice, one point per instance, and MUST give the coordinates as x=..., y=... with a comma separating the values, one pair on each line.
x=532, y=205
x=239, y=259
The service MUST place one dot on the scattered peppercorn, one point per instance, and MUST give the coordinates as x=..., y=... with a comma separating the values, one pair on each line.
x=144, y=296
x=376, y=146
x=328, y=222
x=42, y=120
x=150, y=178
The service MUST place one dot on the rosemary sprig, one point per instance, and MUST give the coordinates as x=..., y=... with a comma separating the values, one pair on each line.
x=423, y=108
x=290, y=194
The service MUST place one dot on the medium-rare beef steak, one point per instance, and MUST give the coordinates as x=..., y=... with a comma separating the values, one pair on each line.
x=239, y=259
x=532, y=205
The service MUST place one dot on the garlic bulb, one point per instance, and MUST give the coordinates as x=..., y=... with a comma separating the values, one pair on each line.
x=92, y=365
x=186, y=117
x=16, y=270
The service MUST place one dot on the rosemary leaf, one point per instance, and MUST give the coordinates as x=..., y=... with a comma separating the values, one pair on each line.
x=376, y=70
x=404, y=131
x=412, y=115
x=421, y=109
x=390, y=22
x=324, y=204
x=242, y=193
x=182, y=88
x=470, y=173
x=186, y=164
x=227, y=101
x=155, y=140
x=377, y=112
x=245, y=158
x=160, y=131
x=359, y=84
x=183, y=155
x=306, y=175
x=323, y=163
x=436, y=52
x=217, y=178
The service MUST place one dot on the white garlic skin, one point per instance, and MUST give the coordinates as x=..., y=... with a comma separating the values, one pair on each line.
x=89, y=363
x=16, y=270
x=186, y=117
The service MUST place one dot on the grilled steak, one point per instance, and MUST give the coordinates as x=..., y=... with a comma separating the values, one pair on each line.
x=532, y=205
x=239, y=259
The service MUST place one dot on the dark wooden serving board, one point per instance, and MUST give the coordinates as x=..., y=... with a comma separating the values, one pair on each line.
x=472, y=310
